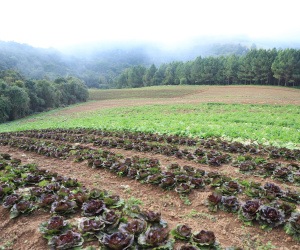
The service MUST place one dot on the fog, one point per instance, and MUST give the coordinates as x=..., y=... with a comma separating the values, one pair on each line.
x=169, y=24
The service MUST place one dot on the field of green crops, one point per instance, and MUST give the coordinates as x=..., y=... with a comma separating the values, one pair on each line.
x=279, y=125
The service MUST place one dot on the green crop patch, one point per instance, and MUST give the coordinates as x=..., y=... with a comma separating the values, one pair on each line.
x=279, y=125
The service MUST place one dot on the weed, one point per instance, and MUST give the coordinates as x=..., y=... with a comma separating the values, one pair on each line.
x=134, y=201
x=193, y=213
x=186, y=200
x=7, y=244
x=165, y=197
x=266, y=247
x=127, y=190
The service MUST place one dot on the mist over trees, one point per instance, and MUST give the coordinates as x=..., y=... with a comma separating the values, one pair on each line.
x=100, y=65
x=20, y=96
x=134, y=64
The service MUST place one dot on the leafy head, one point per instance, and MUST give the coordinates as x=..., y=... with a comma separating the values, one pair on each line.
x=56, y=222
x=118, y=241
x=156, y=236
x=65, y=241
x=214, y=198
x=250, y=208
x=135, y=227
x=91, y=225
x=270, y=216
x=230, y=203
x=93, y=207
x=204, y=238
x=151, y=216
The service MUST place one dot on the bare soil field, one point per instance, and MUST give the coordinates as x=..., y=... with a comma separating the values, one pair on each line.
x=22, y=233
x=222, y=94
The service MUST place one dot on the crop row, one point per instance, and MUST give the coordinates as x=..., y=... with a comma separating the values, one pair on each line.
x=181, y=178
x=116, y=223
x=247, y=164
x=184, y=179
x=266, y=202
x=89, y=135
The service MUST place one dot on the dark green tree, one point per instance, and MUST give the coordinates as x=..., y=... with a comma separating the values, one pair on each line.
x=149, y=75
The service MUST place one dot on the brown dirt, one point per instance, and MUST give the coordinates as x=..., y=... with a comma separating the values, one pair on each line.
x=223, y=94
x=22, y=231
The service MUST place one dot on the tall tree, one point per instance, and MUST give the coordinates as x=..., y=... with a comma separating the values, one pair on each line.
x=149, y=75
x=19, y=102
x=231, y=68
x=284, y=65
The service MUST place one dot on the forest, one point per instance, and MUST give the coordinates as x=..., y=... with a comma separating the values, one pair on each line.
x=20, y=96
x=258, y=66
x=100, y=65
x=136, y=65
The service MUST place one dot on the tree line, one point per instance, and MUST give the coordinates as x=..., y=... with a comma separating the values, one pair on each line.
x=20, y=96
x=258, y=66
x=100, y=65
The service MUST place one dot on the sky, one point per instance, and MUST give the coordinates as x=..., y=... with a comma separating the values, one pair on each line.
x=61, y=23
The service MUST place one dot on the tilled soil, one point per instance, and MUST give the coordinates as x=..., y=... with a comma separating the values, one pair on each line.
x=222, y=94
x=22, y=233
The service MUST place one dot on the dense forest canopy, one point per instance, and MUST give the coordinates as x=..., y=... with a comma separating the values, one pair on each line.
x=258, y=66
x=20, y=96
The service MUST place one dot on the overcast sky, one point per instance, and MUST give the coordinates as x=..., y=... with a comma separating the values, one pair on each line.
x=57, y=23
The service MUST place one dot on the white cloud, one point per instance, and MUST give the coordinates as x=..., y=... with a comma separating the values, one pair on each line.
x=62, y=22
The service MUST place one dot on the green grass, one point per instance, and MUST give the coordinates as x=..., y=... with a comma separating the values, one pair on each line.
x=278, y=125
x=146, y=92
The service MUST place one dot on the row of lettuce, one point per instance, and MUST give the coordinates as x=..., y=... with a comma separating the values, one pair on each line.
x=114, y=222
x=269, y=204
x=20, y=96
x=149, y=142
x=249, y=161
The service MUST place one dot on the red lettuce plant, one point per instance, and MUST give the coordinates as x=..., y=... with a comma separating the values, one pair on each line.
x=66, y=241
x=134, y=227
x=230, y=204
x=293, y=226
x=182, y=232
x=229, y=188
x=270, y=217
x=205, y=239
x=63, y=207
x=54, y=226
x=156, y=237
x=183, y=188
x=11, y=200
x=271, y=191
x=93, y=208
x=91, y=228
x=118, y=241
x=248, y=211
x=22, y=207
x=47, y=200
x=213, y=201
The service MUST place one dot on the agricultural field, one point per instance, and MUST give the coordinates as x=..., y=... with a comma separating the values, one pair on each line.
x=225, y=166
